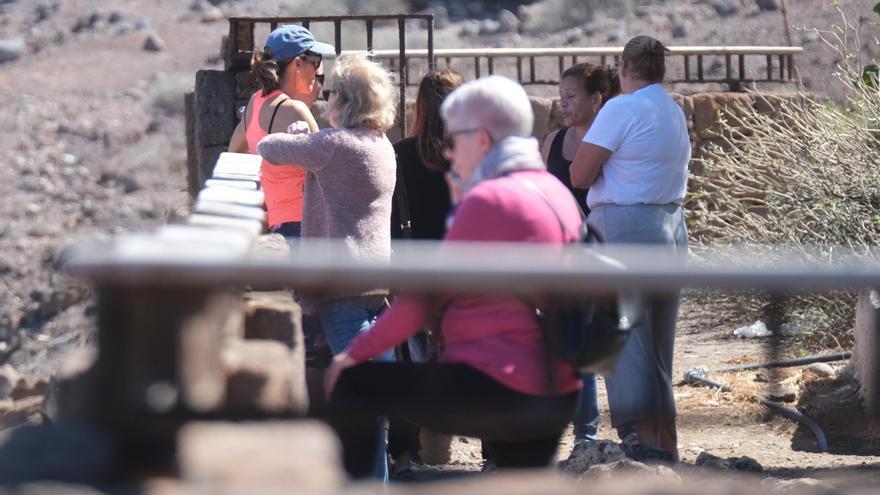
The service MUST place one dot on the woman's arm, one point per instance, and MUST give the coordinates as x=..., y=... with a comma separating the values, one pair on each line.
x=238, y=142
x=586, y=164
x=308, y=151
x=290, y=112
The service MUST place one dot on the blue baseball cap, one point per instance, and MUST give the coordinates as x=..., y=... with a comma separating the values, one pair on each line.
x=292, y=40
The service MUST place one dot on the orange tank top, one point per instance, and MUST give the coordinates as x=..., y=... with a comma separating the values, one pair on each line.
x=282, y=186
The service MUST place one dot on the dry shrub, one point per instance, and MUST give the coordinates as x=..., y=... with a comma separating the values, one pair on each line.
x=805, y=176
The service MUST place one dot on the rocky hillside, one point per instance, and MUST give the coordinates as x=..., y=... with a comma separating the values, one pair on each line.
x=92, y=135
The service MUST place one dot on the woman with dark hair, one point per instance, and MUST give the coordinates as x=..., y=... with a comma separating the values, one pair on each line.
x=289, y=75
x=421, y=165
x=583, y=90
x=634, y=160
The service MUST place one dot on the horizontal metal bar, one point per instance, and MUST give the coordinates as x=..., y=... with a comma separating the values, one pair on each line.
x=331, y=18
x=583, y=52
x=502, y=268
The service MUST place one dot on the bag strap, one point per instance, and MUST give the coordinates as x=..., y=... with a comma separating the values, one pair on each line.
x=402, y=201
x=585, y=231
x=549, y=358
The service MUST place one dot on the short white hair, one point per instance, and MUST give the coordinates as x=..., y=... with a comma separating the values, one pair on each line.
x=494, y=103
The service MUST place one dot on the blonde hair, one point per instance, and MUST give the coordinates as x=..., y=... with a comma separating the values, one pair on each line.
x=365, y=95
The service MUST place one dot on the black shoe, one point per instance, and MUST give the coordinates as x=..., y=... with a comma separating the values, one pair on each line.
x=646, y=454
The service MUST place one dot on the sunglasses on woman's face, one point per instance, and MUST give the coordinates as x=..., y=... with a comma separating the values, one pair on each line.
x=320, y=79
x=312, y=58
x=449, y=138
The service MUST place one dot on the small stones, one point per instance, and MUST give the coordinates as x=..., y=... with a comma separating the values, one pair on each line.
x=154, y=43
x=45, y=10
x=11, y=49
x=725, y=8
x=741, y=464
x=616, y=35
x=679, y=31
x=768, y=5
x=821, y=369
x=9, y=378
x=797, y=485
x=782, y=393
x=91, y=22
x=586, y=455
x=508, y=22
x=489, y=26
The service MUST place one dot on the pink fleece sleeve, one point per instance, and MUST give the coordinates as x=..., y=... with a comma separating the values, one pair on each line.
x=403, y=319
x=308, y=151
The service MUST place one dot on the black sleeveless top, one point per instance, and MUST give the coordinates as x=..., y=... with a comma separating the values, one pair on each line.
x=558, y=166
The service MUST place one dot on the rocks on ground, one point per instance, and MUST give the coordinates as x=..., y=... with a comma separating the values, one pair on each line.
x=11, y=49
x=154, y=43
x=743, y=464
x=725, y=8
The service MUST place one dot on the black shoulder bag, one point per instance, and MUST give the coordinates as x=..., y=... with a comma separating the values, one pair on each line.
x=588, y=333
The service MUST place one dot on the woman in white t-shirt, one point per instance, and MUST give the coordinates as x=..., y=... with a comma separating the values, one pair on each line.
x=634, y=161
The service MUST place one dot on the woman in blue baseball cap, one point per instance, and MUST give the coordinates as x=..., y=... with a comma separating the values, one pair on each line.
x=289, y=75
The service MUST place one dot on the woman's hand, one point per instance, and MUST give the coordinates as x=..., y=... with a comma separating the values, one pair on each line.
x=340, y=363
x=299, y=127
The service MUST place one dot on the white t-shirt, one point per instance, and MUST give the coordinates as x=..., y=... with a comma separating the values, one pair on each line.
x=647, y=135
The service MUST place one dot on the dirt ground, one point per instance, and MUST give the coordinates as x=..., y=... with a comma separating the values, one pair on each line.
x=92, y=144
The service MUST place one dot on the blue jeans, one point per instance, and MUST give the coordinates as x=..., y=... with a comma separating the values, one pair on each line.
x=586, y=419
x=343, y=320
x=288, y=229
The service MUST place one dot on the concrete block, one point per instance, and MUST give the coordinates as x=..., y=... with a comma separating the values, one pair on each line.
x=214, y=107
x=264, y=376
x=273, y=316
x=304, y=456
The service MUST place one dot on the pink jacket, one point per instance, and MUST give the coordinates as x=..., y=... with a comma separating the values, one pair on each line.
x=497, y=335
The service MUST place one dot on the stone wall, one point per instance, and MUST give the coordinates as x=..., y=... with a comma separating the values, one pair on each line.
x=209, y=121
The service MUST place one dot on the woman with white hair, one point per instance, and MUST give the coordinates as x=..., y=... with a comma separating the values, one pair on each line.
x=491, y=380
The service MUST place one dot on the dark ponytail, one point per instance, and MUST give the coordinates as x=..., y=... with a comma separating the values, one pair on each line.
x=645, y=58
x=266, y=71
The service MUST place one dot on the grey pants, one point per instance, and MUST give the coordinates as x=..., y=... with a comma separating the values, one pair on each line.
x=640, y=385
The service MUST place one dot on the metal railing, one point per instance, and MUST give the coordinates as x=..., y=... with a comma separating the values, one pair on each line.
x=241, y=44
x=691, y=69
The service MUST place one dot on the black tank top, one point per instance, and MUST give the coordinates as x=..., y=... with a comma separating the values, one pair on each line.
x=558, y=166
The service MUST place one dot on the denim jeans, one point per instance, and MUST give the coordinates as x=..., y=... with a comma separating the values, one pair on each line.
x=343, y=320
x=288, y=229
x=586, y=420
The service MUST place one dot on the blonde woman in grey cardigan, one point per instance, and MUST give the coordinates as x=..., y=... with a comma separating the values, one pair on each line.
x=351, y=171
